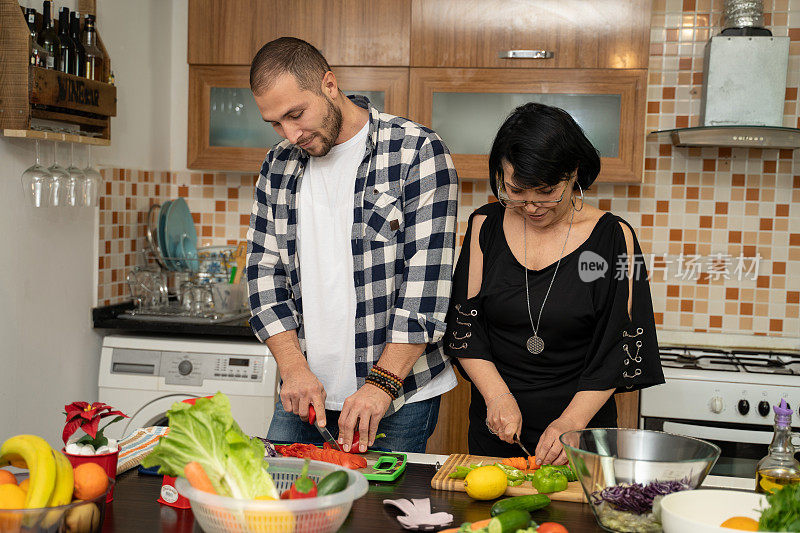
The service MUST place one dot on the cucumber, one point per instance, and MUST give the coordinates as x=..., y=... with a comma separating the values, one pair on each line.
x=530, y=502
x=509, y=522
x=332, y=483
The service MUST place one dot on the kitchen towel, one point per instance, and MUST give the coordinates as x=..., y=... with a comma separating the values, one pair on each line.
x=418, y=514
x=137, y=446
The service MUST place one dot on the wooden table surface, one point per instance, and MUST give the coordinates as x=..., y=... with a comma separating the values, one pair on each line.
x=135, y=509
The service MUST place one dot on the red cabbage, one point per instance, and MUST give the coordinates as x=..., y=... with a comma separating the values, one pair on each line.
x=635, y=497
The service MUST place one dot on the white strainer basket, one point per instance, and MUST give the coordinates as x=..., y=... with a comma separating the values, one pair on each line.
x=221, y=514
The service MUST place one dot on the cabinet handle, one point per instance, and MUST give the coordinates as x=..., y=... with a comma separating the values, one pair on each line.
x=526, y=54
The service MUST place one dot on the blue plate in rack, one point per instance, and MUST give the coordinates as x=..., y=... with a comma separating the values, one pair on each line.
x=162, y=236
x=181, y=235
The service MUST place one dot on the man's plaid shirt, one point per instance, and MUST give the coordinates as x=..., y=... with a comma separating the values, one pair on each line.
x=402, y=241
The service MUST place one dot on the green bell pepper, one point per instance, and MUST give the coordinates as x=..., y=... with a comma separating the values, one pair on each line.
x=513, y=474
x=549, y=479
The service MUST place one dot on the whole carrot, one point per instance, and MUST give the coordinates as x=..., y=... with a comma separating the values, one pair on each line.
x=198, y=478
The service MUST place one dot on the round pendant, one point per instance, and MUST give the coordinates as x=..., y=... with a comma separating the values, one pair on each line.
x=535, y=345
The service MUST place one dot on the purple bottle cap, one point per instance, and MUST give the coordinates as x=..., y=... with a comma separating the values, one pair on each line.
x=783, y=415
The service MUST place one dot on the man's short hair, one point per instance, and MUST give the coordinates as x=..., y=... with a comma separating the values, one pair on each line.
x=288, y=55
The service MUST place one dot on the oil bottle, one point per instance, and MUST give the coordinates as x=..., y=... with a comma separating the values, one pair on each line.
x=779, y=468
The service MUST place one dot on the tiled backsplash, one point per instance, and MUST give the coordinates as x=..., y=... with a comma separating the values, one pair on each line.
x=719, y=208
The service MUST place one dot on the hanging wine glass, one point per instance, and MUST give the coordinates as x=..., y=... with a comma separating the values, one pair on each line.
x=36, y=182
x=94, y=181
x=76, y=183
x=58, y=184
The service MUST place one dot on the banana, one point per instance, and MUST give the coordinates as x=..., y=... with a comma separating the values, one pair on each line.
x=38, y=455
x=65, y=481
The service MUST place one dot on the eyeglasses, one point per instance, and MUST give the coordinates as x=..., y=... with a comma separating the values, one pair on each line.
x=508, y=203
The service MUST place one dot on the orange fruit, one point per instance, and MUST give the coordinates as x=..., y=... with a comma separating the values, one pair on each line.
x=24, y=484
x=741, y=523
x=7, y=477
x=11, y=496
x=90, y=481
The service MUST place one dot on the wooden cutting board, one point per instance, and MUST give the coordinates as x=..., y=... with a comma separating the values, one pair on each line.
x=442, y=481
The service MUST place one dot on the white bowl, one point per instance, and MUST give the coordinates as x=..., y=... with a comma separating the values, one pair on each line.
x=702, y=511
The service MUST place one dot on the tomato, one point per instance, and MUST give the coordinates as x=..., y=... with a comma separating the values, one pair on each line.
x=551, y=527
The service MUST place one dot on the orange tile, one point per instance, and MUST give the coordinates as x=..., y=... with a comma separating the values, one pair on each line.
x=244, y=220
x=687, y=306
x=675, y=235
x=794, y=239
x=775, y=324
x=653, y=107
x=721, y=208
x=662, y=206
x=765, y=224
x=678, y=178
x=792, y=297
x=779, y=267
x=782, y=210
x=650, y=163
x=724, y=152
x=709, y=165
x=685, y=63
x=769, y=167
x=715, y=321
x=682, y=121
x=665, y=150
x=762, y=282
x=746, y=308
x=673, y=291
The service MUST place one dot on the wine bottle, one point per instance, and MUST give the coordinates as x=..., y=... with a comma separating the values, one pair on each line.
x=93, y=58
x=48, y=39
x=38, y=56
x=80, y=54
x=67, y=47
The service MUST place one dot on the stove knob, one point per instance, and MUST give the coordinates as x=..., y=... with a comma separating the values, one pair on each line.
x=744, y=407
x=716, y=405
x=185, y=368
x=763, y=408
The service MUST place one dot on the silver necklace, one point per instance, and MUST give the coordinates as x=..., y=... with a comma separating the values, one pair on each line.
x=535, y=343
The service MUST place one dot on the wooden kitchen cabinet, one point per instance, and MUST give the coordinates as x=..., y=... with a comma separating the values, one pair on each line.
x=466, y=107
x=579, y=34
x=348, y=32
x=226, y=131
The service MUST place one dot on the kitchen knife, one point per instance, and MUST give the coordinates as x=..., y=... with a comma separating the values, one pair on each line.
x=527, y=453
x=312, y=419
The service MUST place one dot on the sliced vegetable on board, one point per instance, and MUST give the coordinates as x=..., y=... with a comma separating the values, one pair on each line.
x=548, y=479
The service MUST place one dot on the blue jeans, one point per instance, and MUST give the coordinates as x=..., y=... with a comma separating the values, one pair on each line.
x=407, y=430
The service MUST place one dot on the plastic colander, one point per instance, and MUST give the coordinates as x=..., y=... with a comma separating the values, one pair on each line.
x=221, y=514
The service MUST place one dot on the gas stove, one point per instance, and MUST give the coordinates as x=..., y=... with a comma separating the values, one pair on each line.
x=752, y=361
x=723, y=394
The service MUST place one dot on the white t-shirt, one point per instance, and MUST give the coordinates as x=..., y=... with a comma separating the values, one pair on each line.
x=325, y=223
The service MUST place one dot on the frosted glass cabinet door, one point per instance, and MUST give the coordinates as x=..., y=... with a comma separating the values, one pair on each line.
x=235, y=121
x=467, y=106
x=226, y=130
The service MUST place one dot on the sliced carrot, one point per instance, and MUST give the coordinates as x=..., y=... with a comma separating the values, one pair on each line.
x=532, y=463
x=480, y=524
x=522, y=463
x=197, y=477
x=507, y=461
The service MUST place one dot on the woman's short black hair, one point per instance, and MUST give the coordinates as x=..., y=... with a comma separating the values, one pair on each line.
x=544, y=145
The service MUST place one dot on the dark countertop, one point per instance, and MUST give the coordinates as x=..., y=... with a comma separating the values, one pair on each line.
x=107, y=318
x=135, y=509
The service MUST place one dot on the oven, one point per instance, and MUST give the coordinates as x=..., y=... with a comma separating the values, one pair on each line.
x=724, y=396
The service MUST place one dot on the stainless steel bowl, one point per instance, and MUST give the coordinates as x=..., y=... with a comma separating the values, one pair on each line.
x=638, y=464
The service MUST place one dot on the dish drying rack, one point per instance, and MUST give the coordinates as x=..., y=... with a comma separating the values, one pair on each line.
x=208, y=289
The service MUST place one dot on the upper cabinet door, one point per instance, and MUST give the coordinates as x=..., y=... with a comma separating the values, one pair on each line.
x=347, y=32
x=569, y=33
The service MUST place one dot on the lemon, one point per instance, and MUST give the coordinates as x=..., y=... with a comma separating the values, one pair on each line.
x=486, y=483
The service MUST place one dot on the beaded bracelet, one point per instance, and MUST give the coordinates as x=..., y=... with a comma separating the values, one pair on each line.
x=383, y=388
x=384, y=382
x=384, y=372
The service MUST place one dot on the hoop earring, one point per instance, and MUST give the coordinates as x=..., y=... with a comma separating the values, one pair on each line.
x=573, y=198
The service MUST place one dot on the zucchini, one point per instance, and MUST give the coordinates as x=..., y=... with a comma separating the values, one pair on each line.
x=332, y=483
x=509, y=522
x=530, y=502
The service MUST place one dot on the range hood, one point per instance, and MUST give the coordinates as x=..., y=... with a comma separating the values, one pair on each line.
x=744, y=82
x=735, y=136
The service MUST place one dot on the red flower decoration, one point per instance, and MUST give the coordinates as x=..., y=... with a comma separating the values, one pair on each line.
x=87, y=417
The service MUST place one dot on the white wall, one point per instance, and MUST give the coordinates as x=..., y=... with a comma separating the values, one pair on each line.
x=49, y=353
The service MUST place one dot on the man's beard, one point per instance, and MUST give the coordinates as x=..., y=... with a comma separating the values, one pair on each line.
x=331, y=128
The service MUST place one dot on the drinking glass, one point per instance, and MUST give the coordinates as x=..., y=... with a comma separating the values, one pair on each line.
x=36, y=182
x=76, y=183
x=58, y=185
x=93, y=181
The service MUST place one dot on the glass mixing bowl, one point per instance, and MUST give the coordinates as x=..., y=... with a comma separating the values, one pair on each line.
x=626, y=472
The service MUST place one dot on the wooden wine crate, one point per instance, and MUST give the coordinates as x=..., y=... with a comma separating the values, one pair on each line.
x=28, y=92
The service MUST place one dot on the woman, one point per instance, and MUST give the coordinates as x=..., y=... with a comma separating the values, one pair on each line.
x=551, y=310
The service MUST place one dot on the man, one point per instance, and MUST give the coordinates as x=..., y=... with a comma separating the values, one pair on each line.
x=350, y=257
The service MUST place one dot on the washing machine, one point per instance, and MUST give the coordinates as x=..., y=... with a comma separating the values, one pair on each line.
x=143, y=376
